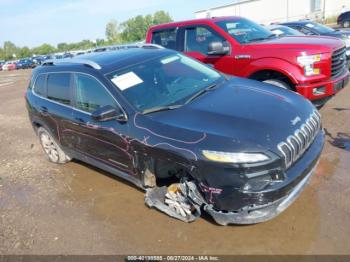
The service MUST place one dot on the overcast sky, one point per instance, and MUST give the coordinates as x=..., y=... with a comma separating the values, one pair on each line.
x=33, y=22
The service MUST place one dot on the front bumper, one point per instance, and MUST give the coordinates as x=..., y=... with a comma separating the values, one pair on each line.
x=330, y=87
x=271, y=203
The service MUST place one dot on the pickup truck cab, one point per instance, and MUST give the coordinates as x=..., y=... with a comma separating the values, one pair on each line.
x=314, y=67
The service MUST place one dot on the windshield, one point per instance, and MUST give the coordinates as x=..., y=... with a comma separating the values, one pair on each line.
x=163, y=81
x=244, y=30
x=322, y=29
x=285, y=31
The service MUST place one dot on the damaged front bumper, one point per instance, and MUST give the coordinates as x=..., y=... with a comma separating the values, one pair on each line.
x=253, y=215
x=258, y=207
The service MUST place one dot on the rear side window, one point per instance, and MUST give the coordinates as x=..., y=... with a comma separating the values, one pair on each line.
x=90, y=94
x=166, y=38
x=39, y=86
x=58, y=87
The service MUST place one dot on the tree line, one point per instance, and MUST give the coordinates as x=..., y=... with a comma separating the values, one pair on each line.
x=131, y=30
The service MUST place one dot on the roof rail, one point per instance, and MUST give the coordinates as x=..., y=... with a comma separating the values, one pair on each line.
x=86, y=62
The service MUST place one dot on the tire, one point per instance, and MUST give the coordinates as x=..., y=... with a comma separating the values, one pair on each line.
x=346, y=24
x=51, y=148
x=278, y=83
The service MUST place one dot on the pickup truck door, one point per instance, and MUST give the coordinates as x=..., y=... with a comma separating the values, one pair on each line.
x=196, y=42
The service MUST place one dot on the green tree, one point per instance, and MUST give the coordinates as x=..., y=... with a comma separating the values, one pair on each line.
x=10, y=49
x=62, y=47
x=24, y=52
x=134, y=29
x=161, y=17
x=112, y=31
x=43, y=49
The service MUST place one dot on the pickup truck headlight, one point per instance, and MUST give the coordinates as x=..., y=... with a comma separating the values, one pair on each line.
x=307, y=62
x=236, y=158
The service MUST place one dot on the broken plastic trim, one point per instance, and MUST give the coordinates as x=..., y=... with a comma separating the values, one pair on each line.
x=155, y=197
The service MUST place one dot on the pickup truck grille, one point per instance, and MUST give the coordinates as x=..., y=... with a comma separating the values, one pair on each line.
x=338, y=61
x=296, y=144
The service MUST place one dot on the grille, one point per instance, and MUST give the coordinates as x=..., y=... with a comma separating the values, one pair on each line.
x=296, y=144
x=338, y=61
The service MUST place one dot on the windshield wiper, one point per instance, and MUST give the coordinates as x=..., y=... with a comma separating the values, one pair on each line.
x=201, y=92
x=263, y=38
x=160, y=108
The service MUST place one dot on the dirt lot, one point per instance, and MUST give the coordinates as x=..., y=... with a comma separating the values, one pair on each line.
x=76, y=209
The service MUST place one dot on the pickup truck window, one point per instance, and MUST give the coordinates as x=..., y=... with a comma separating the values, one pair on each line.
x=197, y=39
x=166, y=38
x=245, y=31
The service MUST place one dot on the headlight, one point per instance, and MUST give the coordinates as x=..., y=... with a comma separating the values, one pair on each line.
x=236, y=158
x=307, y=62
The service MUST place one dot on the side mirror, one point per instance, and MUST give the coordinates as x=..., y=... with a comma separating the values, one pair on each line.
x=107, y=113
x=218, y=48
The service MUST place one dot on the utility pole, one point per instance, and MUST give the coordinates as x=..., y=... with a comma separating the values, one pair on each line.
x=287, y=9
x=324, y=11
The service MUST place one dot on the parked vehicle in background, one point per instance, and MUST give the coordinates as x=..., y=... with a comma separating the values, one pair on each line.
x=315, y=67
x=9, y=65
x=2, y=62
x=281, y=30
x=344, y=19
x=25, y=63
x=239, y=149
x=308, y=27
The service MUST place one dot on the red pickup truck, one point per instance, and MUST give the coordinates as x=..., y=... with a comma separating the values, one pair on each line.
x=315, y=67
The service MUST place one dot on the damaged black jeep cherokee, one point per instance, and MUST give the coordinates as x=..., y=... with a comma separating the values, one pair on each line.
x=192, y=138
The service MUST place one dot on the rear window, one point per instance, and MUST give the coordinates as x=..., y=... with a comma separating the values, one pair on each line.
x=39, y=86
x=58, y=87
x=166, y=38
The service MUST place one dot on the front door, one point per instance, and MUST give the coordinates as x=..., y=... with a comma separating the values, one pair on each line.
x=196, y=42
x=104, y=141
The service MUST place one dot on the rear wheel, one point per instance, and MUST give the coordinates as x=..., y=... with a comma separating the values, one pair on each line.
x=278, y=83
x=346, y=24
x=53, y=151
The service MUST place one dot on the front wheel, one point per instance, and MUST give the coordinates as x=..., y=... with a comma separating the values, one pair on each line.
x=53, y=151
x=278, y=83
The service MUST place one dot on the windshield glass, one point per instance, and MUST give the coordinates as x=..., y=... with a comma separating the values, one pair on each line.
x=285, y=31
x=163, y=81
x=322, y=29
x=244, y=30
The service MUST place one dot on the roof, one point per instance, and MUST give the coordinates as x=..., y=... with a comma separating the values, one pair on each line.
x=195, y=21
x=106, y=62
x=301, y=22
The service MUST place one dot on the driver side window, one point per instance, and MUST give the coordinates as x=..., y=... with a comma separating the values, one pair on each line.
x=90, y=94
x=197, y=39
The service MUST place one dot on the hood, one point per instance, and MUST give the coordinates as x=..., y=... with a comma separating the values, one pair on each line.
x=319, y=43
x=240, y=115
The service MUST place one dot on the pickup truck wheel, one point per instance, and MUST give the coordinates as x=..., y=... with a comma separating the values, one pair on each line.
x=278, y=83
x=53, y=151
x=346, y=24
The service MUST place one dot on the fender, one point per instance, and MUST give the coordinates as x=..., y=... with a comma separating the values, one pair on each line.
x=279, y=65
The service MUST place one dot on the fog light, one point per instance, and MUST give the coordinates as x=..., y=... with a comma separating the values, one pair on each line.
x=257, y=183
x=319, y=91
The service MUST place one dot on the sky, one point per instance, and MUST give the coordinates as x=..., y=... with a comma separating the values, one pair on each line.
x=34, y=22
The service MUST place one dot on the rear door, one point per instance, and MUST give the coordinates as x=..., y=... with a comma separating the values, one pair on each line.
x=104, y=141
x=55, y=104
x=167, y=38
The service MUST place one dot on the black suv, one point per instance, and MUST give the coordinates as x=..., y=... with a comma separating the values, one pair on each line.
x=192, y=138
